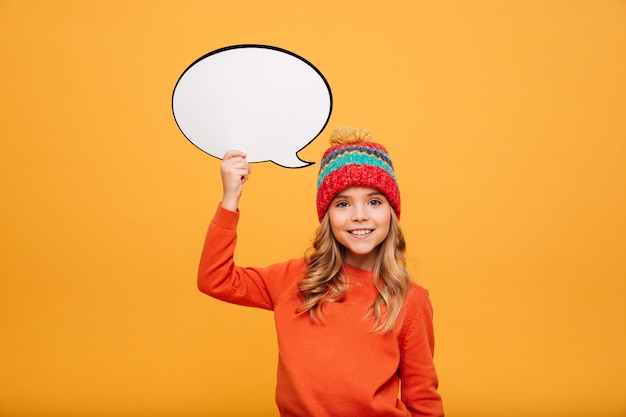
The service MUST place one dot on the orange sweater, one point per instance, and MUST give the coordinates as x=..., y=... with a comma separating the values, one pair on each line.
x=336, y=367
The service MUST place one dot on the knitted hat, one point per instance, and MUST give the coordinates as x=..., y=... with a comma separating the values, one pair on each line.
x=354, y=160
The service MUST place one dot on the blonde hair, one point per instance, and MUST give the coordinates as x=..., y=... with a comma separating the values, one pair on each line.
x=323, y=284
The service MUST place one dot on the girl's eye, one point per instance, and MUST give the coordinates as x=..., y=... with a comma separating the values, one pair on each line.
x=341, y=204
x=375, y=202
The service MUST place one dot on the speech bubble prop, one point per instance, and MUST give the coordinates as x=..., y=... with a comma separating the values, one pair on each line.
x=263, y=100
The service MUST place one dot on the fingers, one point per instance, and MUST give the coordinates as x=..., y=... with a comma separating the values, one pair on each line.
x=235, y=171
x=234, y=153
x=234, y=163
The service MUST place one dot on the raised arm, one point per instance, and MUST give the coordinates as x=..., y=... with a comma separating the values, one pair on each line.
x=218, y=276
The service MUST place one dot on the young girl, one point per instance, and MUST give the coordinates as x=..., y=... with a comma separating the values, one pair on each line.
x=353, y=330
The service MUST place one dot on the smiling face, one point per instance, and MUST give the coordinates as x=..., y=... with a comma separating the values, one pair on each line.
x=359, y=219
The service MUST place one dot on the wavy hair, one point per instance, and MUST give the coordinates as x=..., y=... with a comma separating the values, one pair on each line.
x=323, y=284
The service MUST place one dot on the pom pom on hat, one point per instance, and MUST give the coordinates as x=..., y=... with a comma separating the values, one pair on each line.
x=355, y=160
x=347, y=135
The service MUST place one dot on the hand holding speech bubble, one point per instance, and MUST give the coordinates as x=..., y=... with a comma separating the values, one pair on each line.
x=263, y=100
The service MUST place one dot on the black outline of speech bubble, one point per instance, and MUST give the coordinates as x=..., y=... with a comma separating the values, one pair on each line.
x=226, y=48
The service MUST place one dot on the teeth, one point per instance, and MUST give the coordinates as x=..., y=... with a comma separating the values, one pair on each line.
x=361, y=232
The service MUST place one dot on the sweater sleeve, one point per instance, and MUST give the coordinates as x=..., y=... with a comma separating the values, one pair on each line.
x=219, y=277
x=417, y=370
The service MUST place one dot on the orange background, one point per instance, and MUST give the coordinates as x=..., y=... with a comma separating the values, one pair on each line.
x=506, y=122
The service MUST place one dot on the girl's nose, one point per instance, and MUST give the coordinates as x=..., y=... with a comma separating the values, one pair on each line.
x=359, y=213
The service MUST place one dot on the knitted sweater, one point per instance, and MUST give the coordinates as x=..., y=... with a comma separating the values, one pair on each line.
x=336, y=367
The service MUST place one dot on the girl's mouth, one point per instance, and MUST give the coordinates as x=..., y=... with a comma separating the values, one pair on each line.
x=361, y=232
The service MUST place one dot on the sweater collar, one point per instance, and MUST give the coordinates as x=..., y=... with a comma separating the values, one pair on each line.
x=352, y=274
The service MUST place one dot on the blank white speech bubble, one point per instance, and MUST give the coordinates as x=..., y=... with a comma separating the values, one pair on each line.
x=263, y=100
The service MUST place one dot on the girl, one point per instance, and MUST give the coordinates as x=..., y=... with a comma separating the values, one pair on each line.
x=353, y=330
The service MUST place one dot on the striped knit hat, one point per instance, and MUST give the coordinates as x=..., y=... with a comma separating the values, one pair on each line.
x=355, y=160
